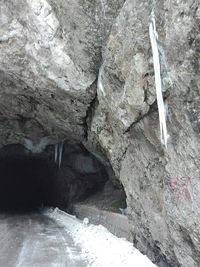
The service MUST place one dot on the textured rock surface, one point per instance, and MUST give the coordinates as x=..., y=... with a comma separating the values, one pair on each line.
x=50, y=54
x=80, y=175
x=162, y=186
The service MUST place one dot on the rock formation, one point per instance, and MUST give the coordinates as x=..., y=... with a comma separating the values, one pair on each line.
x=56, y=55
x=50, y=53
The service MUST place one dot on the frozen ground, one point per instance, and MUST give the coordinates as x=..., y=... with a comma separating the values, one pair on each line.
x=36, y=240
x=53, y=238
x=101, y=247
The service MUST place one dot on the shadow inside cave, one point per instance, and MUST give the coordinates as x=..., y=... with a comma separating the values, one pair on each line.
x=30, y=181
x=26, y=183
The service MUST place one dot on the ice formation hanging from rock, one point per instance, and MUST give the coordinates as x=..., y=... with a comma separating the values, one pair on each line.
x=158, y=82
x=38, y=147
x=58, y=149
x=100, y=83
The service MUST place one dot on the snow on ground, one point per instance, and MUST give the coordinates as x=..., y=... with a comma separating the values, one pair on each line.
x=102, y=248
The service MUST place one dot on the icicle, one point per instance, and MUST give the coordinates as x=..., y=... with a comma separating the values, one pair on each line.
x=158, y=83
x=55, y=153
x=60, y=150
x=99, y=83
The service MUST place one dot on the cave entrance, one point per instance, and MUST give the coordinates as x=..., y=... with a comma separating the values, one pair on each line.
x=30, y=181
x=26, y=183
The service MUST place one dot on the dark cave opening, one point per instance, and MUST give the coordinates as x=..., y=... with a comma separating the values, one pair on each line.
x=31, y=181
x=26, y=183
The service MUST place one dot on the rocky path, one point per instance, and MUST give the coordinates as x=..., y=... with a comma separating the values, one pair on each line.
x=36, y=240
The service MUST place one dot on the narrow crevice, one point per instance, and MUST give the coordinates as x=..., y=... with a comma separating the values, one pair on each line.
x=153, y=108
x=90, y=108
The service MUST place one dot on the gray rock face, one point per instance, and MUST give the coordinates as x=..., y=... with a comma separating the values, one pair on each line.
x=162, y=185
x=50, y=56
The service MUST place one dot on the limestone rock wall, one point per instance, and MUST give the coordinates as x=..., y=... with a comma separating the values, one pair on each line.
x=162, y=185
x=51, y=54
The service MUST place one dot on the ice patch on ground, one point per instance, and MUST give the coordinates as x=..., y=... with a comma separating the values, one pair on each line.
x=103, y=248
